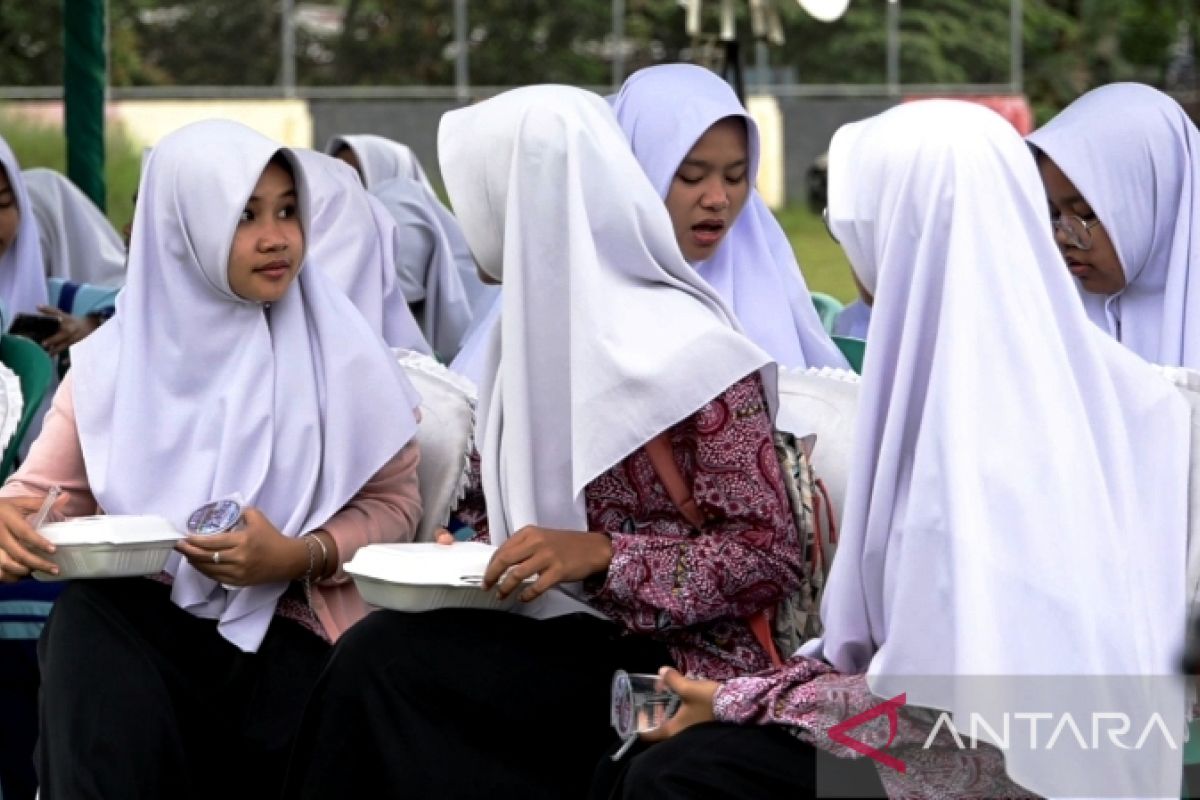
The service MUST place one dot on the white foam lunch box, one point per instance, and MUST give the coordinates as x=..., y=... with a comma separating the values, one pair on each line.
x=109, y=546
x=424, y=576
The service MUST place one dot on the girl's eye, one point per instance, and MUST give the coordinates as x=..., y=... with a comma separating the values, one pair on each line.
x=691, y=180
x=247, y=216
x=287, y=213
x=735, y=178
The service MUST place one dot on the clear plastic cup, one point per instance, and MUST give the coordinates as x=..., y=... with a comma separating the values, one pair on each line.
x=640, y=703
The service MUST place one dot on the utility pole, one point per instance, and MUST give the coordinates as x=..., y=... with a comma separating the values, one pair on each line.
x=1016, y=47
x=462, y=78
x=893, y=47
x=287, y=47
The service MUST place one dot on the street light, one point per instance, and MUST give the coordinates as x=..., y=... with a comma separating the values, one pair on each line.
x=826, y=10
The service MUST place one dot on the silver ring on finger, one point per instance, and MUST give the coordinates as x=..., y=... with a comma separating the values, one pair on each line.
x=217, y=557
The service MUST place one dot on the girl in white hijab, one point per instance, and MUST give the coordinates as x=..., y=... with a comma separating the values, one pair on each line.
x=609, y=344
x=22, y=275
x=1121, y=167
x=356, y=242
x=379, y=160
x=676, y=117
x=23, y=285
x=227, y=370
x=79, y=244
x=1005, y=452
x=425, y=265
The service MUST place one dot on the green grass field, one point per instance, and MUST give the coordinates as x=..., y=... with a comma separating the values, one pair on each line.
x=821, y=258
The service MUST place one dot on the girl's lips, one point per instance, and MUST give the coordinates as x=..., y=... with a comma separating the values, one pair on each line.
x=707, y=237
x=708, y=232
x=274, y=271
x=1077, y=268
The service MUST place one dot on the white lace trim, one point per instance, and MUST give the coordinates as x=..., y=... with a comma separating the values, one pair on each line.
x=428, y=365
x=833, y=373
x=13, y=404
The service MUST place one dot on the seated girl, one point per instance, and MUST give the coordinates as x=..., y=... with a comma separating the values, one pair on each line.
x=425, y=265
x=379, y=160
x=23, y=276
x=699, y=147
x=1004, y=451
x=1121, y=169
x=608, y=340
x=227, y=369
x=357, y=244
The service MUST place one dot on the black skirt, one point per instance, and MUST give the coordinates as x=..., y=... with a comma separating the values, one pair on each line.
x=464, y=703
x=140, y=699
x=719, y=760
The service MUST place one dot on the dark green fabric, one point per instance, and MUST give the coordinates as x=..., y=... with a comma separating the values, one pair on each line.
x=853, y=349
x=36, y=370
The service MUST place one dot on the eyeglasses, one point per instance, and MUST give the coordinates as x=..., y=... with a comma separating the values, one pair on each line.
x=828, y=227
x=1077, y=231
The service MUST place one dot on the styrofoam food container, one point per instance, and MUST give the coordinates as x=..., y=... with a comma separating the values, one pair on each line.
x=424, y=576
x=109, y=546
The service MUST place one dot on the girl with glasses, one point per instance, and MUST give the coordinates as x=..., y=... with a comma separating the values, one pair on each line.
x=1121, y=168
x=982, y=545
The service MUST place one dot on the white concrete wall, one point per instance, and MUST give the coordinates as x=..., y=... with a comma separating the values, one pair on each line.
x=764, y=109
x=146, y=121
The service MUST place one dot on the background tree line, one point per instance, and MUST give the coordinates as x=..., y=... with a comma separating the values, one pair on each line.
x=1070, y=45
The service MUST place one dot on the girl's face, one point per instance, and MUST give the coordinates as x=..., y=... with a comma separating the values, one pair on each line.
x=10, y=215
x=1098, y=268
x=268, y=245
x=710, y=188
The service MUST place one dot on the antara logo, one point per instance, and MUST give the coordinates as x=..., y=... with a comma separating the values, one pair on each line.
x=890, y=708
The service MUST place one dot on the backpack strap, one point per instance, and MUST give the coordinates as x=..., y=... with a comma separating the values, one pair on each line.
x=662, y=458
x=760, y=626
x=833, y=531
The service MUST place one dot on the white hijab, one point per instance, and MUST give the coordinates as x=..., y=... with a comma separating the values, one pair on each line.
x=1135, y=157
x=425, y=265
x=607, y=336
x=380, y=158
x=79, y=244
x=354, y=240
x=22, y=273
x=383, y=160
x=472, y=358
x=191, y=393
x=664, y=111
x=1016, y=505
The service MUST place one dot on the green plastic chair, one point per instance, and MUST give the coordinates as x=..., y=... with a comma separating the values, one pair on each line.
x=827, y=309
x=35, y=369
x=853, y=349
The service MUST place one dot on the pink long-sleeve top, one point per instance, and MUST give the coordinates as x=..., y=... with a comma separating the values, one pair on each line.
x=690, y=589
x=386, y=509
